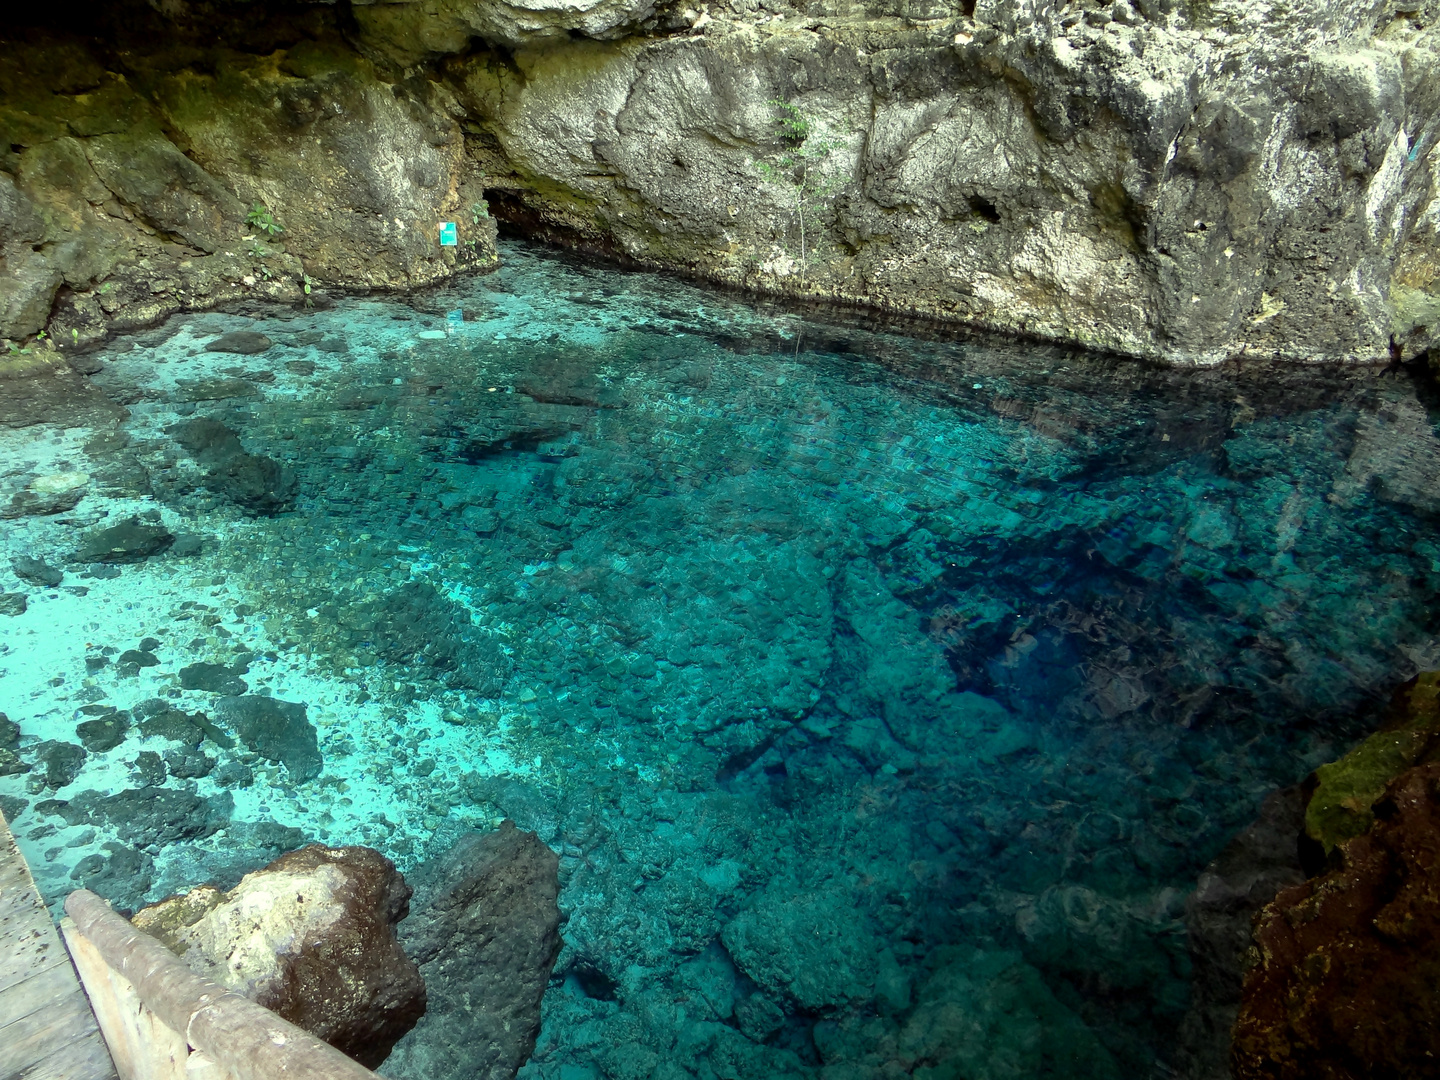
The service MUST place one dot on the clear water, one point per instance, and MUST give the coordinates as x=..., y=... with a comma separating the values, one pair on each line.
x=882, y=696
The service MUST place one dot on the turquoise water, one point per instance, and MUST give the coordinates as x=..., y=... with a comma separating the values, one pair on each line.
x=882, y=696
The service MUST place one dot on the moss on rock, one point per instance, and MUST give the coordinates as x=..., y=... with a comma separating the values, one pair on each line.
x=1345, y=791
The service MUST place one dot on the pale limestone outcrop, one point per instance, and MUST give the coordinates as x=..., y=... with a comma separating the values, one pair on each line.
x=1257, y=180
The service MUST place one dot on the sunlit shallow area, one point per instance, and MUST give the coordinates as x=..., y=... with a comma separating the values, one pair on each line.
x=883, y=696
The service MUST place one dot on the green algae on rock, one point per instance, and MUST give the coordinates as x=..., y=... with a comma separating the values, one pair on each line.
x=1345, y=791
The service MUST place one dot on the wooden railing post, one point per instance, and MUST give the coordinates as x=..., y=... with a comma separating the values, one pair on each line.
x=164, y=1022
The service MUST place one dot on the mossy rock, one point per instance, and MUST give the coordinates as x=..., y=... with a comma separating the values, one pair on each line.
x=1344, y=791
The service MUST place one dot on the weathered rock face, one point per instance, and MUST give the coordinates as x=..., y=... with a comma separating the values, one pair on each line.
x=1180, y=181
x=133, y=160
x=312, y=937
x=1343, y=793
x=1344, y=980
x=486, y=934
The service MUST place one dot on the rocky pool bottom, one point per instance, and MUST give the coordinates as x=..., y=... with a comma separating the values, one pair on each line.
x=883, y=698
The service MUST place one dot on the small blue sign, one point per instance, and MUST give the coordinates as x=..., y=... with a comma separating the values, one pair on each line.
x=448, y=236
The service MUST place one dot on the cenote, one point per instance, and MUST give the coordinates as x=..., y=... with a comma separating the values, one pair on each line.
x=882, y=696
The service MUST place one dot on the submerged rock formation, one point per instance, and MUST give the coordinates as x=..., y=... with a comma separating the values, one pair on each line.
x=485, y=933
x=1179, y=181
x=312, y=937
x=1256, y=865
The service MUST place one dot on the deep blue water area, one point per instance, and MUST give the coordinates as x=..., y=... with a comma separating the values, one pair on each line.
x=883, y=695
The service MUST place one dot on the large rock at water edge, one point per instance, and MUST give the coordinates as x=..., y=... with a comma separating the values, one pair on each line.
x=1347, y=964
x=311, y=937
x=486, y=934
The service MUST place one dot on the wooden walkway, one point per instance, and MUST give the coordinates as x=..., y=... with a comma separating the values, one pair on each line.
x=47, y=1031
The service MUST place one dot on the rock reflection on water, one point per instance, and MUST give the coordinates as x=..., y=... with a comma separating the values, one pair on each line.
x=883, y=697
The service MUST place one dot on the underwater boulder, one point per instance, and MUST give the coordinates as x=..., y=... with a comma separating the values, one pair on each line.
x=59, y=762
x=131, y=541
x=36, y=571
x=252, y=481
x=805, y=943
x=212, y=679
x=276, y=730
x=310, y=937
x=1242, y=879
x=122, y=875
x=103, y=732
x=149, y=816
x=485, y=932
x=243, y=342
x=990, y=1016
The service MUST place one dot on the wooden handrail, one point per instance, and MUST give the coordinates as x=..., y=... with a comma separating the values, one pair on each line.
x=134, y=981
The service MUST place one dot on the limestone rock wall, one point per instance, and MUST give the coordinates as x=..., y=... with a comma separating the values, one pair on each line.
x=1183, y=182
x=1174, y=179
x=132, y=159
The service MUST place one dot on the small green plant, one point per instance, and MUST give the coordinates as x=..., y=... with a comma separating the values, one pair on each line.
x=260, y=218
x=105, y=288
x=74, y=336
x=305, y=282
x=478, y=210
x=800, y=168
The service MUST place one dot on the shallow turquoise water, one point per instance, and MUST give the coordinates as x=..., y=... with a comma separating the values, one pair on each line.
x=883, y=696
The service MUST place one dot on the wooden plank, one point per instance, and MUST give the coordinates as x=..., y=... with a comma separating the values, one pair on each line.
x=83, y=1059
x=46, y=1027
x=31, y=1039
x=41, y=991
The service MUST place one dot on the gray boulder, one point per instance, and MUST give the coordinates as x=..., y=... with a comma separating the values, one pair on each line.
x=276, y=730
x=130, y=541
x=485, y=932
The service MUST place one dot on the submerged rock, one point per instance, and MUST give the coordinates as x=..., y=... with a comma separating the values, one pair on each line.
x=60, y=762
x=36, y=571
x=47, y=495
x=311, y=937
x=989, y=1014
x=806, y=945
x=150, y=816
x=245, y=342
x=485, y=932
x=212, y=679
x=104, y=732
x=1346, y=965
x=13, y=603
x=253, y=481
x=122, y=875
x=130, y=541
x=276, y=730
x=1242, y=879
